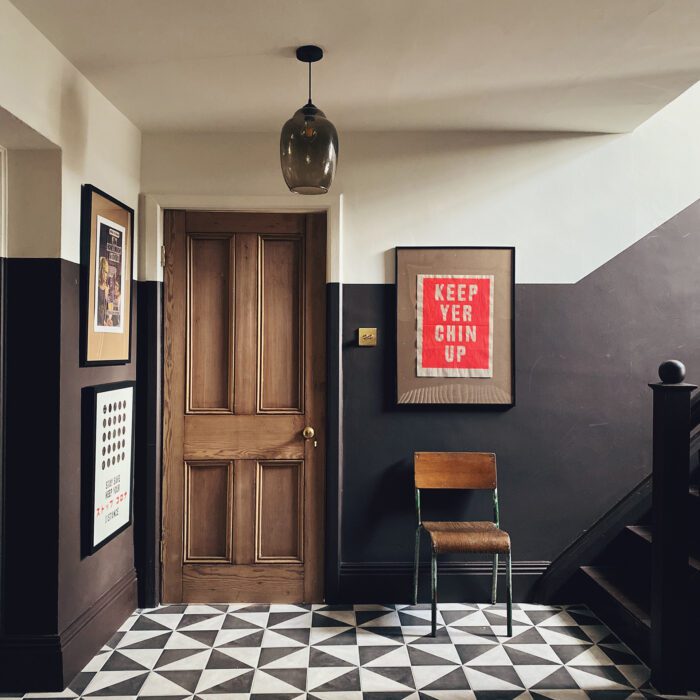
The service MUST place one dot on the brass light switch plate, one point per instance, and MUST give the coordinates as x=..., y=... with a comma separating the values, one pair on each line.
x=366, y=336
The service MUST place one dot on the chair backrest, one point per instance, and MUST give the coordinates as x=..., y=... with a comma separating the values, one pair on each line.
x=455, y=470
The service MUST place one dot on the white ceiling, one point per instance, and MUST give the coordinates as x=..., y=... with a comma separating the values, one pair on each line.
x=211, y=65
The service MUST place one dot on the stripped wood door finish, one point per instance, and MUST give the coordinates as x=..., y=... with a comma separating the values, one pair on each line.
x=244, y=373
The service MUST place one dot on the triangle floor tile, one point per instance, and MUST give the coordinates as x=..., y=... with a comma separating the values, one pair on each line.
x=532, y=655
x=454, y=680
x=187, y=680
x=493, y=678
x=599, y=678
x=119, y=662
x=225, y=681
x=560, y=679
x=102, y=681
x=269, y=655
x=295, y=677
x=220, y=660
x=423, y=657
x=298, y=659
x=369, y=654
x=532, y=675
x=269, y=683
x=182, y=659
x=347, y=654
x=328, y=679
x=112, y=686
x=426, y=676
x=157, y=685
x=386, y=679
x=319, y=658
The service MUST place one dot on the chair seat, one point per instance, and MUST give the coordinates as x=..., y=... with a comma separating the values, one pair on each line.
x=479, y=537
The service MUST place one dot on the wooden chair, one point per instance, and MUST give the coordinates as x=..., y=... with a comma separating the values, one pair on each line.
x=466, y=471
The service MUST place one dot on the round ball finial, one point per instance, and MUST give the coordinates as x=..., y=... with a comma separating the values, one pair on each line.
x=672, y=372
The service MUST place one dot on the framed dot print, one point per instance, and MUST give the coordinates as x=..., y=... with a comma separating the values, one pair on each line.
x=108, y=462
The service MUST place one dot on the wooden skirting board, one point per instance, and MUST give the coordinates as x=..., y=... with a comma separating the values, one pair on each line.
x=52, y=661
x=469, y=581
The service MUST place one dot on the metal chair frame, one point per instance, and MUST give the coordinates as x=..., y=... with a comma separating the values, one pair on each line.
x=433, y=570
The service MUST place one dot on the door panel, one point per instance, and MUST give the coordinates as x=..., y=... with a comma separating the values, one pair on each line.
x=279, y=527
x=242, y=438
x=208, y=497
x=209, y=322
x=244, y=374
x=246, y=362
x=281, y=319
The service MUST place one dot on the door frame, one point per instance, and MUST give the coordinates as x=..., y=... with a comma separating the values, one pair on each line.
x=152, y=207
x=150, y=256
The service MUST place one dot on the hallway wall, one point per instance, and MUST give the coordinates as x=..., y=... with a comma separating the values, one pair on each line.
x=568, y=202
x=576, y=442
x=603, y=297
x=99, y=145
x=57, y=606
x=548, y=194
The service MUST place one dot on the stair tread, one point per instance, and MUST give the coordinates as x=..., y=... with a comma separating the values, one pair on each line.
x=644, y=532
x=607, y=579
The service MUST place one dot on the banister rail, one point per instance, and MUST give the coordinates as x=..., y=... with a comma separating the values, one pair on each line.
x=694, y=412
x=670, y=612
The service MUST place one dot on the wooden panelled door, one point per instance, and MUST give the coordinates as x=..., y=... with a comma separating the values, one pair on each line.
x=244, y=407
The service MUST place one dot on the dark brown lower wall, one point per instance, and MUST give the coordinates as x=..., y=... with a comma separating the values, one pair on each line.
x=50, y=662
x=578, y=440
x=82, y=580
x=58, y=605
x=81, y=640
x=31, y=479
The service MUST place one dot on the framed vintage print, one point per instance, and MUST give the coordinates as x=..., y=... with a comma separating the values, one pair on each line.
x=455, y=326
x=107, y=462
x=106, y=280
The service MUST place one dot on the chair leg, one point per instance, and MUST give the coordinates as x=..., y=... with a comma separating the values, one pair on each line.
x=509, y=599
x=494, y=580
x=433, y=577
x=415, y=571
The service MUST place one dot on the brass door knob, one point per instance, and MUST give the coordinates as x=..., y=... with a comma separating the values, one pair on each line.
x=308, y=432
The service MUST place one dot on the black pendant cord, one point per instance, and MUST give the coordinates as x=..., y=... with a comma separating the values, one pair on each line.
x=309, y=83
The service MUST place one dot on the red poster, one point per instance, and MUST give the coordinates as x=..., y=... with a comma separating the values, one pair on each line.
x=455, y=326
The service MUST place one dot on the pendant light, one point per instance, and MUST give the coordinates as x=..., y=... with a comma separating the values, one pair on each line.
x=309, y=142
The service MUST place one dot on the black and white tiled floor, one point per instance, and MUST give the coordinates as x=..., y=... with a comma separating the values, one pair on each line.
x=217, y=652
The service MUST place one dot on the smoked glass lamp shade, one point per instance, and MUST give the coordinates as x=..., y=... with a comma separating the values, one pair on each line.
x=308, y=151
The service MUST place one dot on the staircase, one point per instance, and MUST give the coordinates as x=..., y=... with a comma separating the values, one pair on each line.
x=609, y=567
x=617, y=584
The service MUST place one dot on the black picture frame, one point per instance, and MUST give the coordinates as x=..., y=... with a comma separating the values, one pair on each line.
x=500, y=405
x=88, y=193
x=89, y=465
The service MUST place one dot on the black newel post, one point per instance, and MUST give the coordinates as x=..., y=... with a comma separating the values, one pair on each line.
x=670, y=612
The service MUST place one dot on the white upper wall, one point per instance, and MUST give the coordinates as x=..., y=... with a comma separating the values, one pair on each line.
x=568, y=203
x=99, y=145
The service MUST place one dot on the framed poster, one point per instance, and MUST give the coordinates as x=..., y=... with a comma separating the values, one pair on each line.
x=108, y=462
x=106, y=279
x=455, y=326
